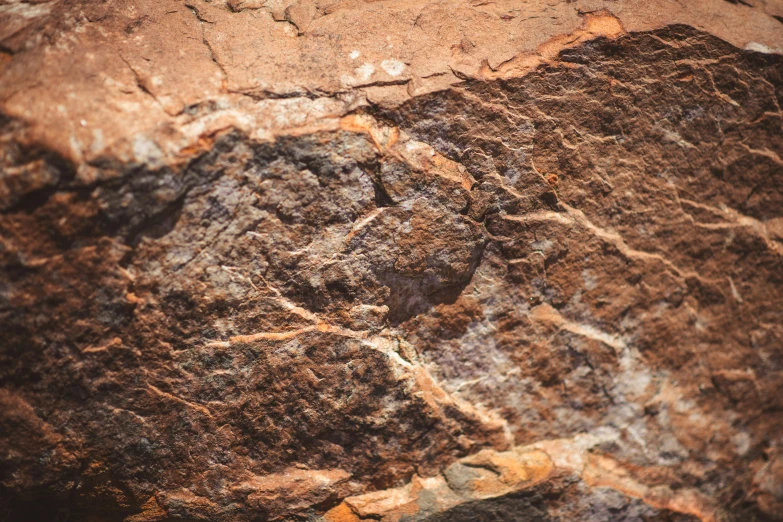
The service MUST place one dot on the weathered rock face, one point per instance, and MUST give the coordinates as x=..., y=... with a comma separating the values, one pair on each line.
x=511, y=269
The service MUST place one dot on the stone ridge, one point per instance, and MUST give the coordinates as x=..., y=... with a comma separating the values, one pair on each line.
x=546, y=292
x=488, y=475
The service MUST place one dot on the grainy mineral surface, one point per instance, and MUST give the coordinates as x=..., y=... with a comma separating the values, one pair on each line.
x=351, y=260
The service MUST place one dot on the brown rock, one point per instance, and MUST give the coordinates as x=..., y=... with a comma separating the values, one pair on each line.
x=391, y=260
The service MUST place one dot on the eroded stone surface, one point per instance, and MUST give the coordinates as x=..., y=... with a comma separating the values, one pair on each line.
x=544, y=287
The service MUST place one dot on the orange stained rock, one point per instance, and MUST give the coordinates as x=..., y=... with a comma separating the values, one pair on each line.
x=341, y=513
x=511, y=470
x=602, y=471
x=596, y=24
x=384, y=137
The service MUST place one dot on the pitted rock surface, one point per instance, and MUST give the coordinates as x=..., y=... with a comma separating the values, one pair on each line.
x=438, y=272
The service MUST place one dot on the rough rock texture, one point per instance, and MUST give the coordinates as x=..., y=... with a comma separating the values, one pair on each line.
x=391, y=260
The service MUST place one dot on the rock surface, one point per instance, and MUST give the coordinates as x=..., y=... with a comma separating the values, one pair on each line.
x=391, y=260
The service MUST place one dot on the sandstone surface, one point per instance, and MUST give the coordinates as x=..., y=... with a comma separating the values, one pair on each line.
x=396, y=260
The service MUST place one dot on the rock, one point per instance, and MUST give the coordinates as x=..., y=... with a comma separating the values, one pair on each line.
x=391, y=261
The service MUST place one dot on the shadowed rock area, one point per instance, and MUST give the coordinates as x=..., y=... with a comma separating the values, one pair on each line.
x=548, y=289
